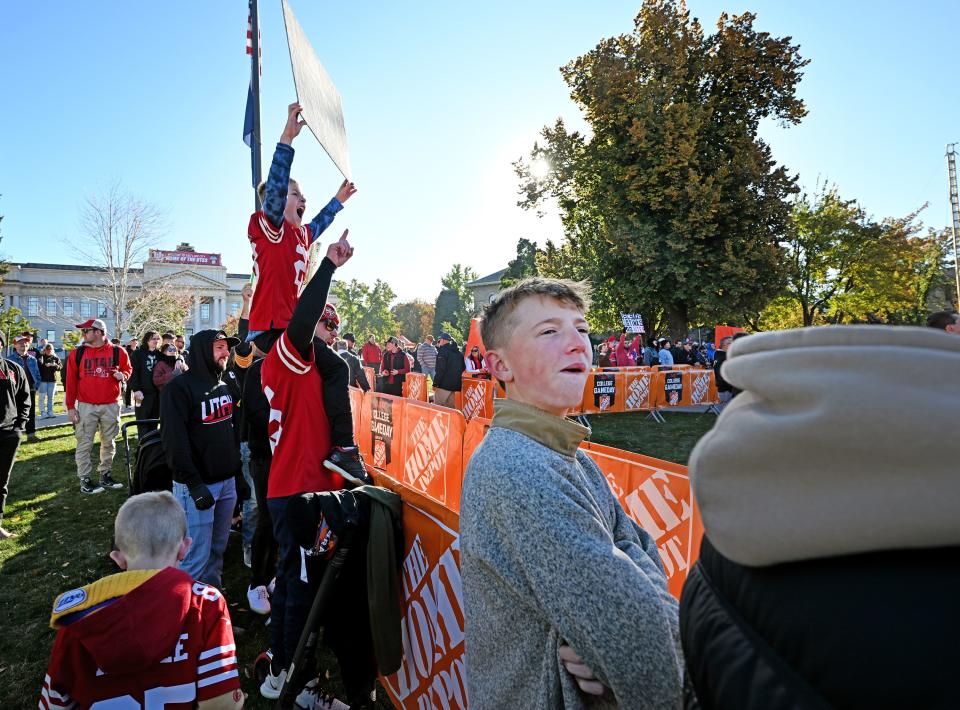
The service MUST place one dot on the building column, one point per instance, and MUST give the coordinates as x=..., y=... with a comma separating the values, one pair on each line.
x=196, y=313
x=221, y=310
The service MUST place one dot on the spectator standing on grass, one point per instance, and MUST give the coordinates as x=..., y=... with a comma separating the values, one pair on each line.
x=50, y=365
x=131, y=348
x=650, y=355
x=603, y=355
x=395, y=368
x=14, y=412
x=371, y=354
x=450, y=367
x=146, y=396
x=565, y=597
x=182, y=347
x=724, y=390
x=201, y=449
x=148, y=636
x=427, y=356
x=95, y=377
x=28, y=362
x=358, y=377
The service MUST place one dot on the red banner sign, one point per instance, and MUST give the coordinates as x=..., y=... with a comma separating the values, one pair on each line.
x=184, y=257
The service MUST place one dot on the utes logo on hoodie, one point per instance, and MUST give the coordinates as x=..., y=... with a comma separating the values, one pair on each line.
x=216, y=409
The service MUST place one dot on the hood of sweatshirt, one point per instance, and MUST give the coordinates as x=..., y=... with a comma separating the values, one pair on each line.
x=200, y=355
x=115, y=618
x=840, y=443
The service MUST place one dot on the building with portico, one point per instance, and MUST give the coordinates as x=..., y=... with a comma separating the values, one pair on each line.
x=54, y=297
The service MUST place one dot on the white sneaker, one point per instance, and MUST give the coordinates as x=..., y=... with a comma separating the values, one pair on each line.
x=271, y=586
x=258, y=600
x=270, y=688
x=248, y=556
x=312, y=698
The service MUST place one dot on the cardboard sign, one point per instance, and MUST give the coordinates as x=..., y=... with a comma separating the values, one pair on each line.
x=633, y=322
x=320, y=99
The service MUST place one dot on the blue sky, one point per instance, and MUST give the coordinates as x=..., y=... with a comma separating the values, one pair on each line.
x=439, y=98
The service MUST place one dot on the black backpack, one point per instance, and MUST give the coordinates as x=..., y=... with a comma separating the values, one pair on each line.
x=151, y=472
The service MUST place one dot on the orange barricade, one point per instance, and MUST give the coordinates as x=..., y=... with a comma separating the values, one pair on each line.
x=472, y=436
x=371, y=377
x=476, y=396
x=356, y=410
x=703, y=387
x=657, y=496
x=432, y=452
x=380, y=436
x=415, y=386
x=684, y=388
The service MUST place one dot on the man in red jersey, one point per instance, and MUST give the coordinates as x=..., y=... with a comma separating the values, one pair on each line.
x=300, y=436
x=280, y=243
x=148, y=636
x=96, y=372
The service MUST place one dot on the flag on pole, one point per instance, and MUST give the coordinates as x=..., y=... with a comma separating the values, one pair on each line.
x=248, y=117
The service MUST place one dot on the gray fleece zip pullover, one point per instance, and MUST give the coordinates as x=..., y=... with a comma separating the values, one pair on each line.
x=549, y=556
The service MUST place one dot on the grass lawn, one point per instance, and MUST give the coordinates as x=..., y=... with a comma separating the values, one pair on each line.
x=65, y=537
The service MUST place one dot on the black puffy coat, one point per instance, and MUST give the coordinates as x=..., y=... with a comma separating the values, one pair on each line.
x=450, y=367
x=876, y=630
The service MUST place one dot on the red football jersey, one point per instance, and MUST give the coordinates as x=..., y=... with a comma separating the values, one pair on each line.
x=298, y=426
x=168, y=644
x=279, y=267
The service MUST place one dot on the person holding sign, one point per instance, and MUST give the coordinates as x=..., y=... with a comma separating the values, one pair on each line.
x=280, y=242
x=565, y=597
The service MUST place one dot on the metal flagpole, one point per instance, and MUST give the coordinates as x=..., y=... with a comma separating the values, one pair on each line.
x=954, y=211
x=255, y=79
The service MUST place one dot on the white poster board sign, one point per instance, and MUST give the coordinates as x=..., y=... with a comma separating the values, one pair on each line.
x=320, y=99
x=633, y=322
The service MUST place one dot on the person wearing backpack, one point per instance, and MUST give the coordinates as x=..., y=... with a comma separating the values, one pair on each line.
x=96, y=371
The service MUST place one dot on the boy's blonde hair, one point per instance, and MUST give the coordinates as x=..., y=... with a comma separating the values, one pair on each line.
x=262, y=188
x=150, y=525
x=496, y=322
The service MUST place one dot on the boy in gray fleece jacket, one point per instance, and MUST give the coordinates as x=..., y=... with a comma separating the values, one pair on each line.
x=566, y=601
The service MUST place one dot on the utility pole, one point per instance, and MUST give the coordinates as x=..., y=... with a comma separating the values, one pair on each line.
x=954, y=210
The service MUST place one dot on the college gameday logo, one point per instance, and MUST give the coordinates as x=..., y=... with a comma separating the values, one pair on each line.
x=604, y=391
x=673, y=388
x=432, y=674
x=381, y=426
x=427, y=451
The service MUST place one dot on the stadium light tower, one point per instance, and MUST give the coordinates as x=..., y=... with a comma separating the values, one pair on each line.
x=954, y=210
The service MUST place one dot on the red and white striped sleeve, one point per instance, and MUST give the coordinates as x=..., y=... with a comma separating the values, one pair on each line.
x=290, y=358
x=217, y=668
x=50, y=699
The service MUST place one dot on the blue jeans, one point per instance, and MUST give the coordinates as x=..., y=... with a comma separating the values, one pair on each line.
x=249, y=505
x=292, y=599
x=428, y=371
x=46, y=390
x=209, y=530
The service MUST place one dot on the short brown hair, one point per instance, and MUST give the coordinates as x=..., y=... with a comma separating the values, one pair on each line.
x=495, y=324
x=941, y=319
x=150, y=525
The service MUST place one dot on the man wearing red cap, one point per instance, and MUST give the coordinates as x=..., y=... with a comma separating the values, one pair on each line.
x=96, y=371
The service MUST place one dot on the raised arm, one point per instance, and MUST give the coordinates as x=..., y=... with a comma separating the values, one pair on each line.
x=312, y=301
x=325, y=216
x=278, y=179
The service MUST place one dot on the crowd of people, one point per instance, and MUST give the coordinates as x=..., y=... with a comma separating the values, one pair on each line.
x=565, y=596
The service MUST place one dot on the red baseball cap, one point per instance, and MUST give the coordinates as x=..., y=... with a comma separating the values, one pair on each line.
x=330, y=314
x=94, y=323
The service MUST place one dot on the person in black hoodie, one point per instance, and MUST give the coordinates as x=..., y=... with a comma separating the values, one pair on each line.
x=450, y=367
x=146, y=397
x=196, y=410
x=14, y=412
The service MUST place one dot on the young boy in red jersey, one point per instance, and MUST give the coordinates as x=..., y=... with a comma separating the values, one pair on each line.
x=146, y=637
x=280, y=243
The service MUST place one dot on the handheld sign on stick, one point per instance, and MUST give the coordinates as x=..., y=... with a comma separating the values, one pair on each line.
x=320, y=99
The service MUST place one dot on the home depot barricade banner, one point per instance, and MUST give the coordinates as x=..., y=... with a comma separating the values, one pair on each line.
x=639, y=390
x=432, y=452
x=685, y=388
x=415, y=386
x=371, y=377
x=476, y=396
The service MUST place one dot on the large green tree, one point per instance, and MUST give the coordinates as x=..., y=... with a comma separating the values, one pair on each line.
x=13, y=322
x=523, y=265
x=415, y=319
x=673, y=203
x=843, y=267
x=454, y=305
x=365, y=310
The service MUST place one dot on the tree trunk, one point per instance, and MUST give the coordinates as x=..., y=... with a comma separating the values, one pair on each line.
x=677, y=320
